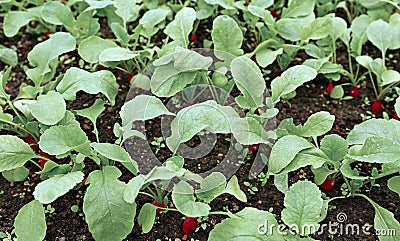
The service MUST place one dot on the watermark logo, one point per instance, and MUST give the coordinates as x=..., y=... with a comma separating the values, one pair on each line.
x=338, y=228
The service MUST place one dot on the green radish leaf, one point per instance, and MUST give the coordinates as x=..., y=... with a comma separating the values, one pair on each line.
x=239, y=229
x=174, y=71
x=337, y=92
x=250, y=224
x=3, y=82
x=364, y=61
x=120, y=33
x=211, y=187
x=76, y=79
x=298, y=8
x=44, y=55
x=86, y=25
x=320, y=174
x=51, y=189
x=160, y=173
x=8, y=56
x=319, y=28
x=379, y=33
x=284, y=151
x=112, y=152
x=376, y=150
x=14, y=152
x=303, y=206
x=393, y=184
x=147, y=217
x=30, y=222
x=394, y=22
x=127, y=10
x=309, y=157
x=18, y=174
x=281, y=182
x=14, y=20
x=373, y=128
x=335, y=147
x=133, y=187
x=384, y=221
x=49, y=109
x=116, y=54
x=397, y=106
x=107, y=214
x=290, y=80
x=92, y=113
x=93, y=4
x=227, y=4
x=167, y=81
x=142, y=107
x=227, y=38
x=182, y=25
x=58, y=14
x=233, y=188
x=318, y=124
x=190, y=121
x=359, y=33
x=91, y=48
x=249, y=131
x=58, y=140
x=292, y=28
x=150, y=20
x=390, y=77
x=203, y=10
x=184, y=200
x=249, y=80
x=267, y=56
x=339, y=26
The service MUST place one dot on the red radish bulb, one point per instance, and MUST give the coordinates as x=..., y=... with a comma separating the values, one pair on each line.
x=101, y=67
x=328, y=184
x=84, y=181
x=355, y=91
x=189, y=225
x=329, y=88
x=253, y=147
x=130, y=77
x=193, y=38
x=43, y=161
x=376, y=106
x=47, y=34
x=161, y=205
x=31, y=142
x=275, y=14
x=395, y=116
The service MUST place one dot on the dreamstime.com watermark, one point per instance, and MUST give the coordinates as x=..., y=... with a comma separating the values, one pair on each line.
x=337, y=228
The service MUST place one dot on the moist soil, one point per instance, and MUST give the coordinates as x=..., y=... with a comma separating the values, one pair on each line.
x=65, y=224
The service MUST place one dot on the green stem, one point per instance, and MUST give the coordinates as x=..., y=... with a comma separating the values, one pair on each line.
x=36, y=164
x=348, y=184
x=219, y=213
x=373, y=83
x=147, y=194
x=22, y=128
x=335, y=198
x=9, y=102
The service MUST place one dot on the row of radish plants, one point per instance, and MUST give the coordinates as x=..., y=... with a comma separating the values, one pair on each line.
x=40, y=127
